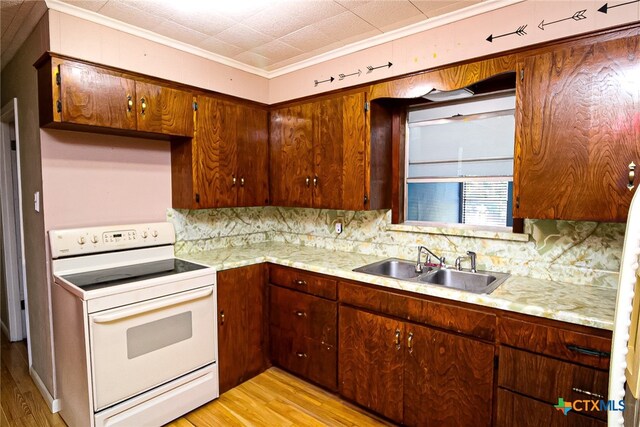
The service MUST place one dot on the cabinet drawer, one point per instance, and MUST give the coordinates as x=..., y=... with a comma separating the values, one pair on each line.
x=303, y=281
x=573, y=346
x=308, y=358
x=548, y=379
x=446, y=316
x=304, y=315
x=517, y=410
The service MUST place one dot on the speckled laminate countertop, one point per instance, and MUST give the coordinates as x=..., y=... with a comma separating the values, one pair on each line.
x=579, y=304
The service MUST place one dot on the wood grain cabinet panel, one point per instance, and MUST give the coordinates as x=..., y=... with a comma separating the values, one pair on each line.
x=165, y=110
x=299, y=280
x=291, y=156
x=253, y=156
x=371, y=361
x=516, y=410
x=242, y=325
x=577, y=120
x=448, y=379
x=96, y=97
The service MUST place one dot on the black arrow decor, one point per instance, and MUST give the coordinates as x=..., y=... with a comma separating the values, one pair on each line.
x=520, y=31
x=370, y=68
x=329, y=80
x=342, y=76
x=606, y=6
x=578, y=16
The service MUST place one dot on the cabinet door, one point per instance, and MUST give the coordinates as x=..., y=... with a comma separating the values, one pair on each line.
x=217, y=153
x=578, y=131
x=164, y=110
x=91, y=96
x=291, y=155
x=253, y=156
x=370, y=361
x=339, y=153
x=241, y=325
x=448, y=379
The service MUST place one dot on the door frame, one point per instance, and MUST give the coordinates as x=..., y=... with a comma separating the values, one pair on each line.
x=14, y=261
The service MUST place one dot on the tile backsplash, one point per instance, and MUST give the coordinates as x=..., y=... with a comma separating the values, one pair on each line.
x=565, y=251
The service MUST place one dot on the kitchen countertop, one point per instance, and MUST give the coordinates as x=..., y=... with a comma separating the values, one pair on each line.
x=578, y=304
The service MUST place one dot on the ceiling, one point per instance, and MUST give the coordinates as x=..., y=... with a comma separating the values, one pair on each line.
x=265, y=34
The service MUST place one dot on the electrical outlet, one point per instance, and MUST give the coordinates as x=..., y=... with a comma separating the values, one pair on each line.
x=338, y=227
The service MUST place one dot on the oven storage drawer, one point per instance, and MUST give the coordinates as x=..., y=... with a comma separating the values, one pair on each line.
x=140, y=346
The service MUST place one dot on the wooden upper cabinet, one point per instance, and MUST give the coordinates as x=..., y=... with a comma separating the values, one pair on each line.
x=252, y=133
x=164, y=110
x=226, y=163
x=323, y=155
x=92, y=96
x=578, y=131
x=291, y=156
x=216, y=150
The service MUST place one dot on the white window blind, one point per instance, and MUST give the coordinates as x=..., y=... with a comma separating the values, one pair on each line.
x=485, y=203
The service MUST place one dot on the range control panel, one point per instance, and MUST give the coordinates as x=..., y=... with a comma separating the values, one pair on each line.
x=80, y=241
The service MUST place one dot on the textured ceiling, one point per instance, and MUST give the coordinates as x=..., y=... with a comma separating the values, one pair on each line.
x=17, y=20
x=269, y=34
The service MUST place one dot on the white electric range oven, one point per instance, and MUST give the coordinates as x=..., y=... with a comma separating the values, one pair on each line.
x=135, y=330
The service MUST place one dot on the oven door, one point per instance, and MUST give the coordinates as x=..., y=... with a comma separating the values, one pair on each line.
x=140, y=346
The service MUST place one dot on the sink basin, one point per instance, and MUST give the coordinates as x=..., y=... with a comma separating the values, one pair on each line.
x=483, y=282
x=392, y=267
x=478, y=283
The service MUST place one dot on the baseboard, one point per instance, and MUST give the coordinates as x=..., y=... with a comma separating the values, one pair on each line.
x=54, y=404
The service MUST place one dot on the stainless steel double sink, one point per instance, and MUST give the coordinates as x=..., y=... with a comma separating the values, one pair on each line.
x=482, y=282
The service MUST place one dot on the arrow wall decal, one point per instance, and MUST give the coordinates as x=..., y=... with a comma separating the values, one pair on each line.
x=520, y=31
x=370, y=68
x=606, y=6
x=317, y=82
x=342, y=76
x=578, y=16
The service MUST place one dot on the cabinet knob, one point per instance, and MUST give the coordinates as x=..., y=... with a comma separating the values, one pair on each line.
x=410, y=342
x=315, y=181
x=632, y=176
x=222, y=317
x=143, y=105
x=397, y=339
x=299, y=282
x=129, y=103
x=233, y=181
x=300, y=313
x=241, y=182
x=307, y=181
x=301, y=355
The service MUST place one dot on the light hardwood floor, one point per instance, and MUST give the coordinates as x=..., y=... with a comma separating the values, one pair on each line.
x=274, y=398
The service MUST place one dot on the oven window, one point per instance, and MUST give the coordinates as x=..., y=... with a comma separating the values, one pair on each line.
x=158, y=334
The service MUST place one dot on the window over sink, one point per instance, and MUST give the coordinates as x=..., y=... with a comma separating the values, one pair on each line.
x=459, y=162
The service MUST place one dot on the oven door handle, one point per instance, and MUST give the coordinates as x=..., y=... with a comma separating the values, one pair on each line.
x=150, y=306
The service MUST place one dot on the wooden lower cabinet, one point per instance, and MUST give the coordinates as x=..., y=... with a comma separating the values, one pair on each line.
x=242, y=325
x=412, y=374
x=370, y=353
x=515, y=410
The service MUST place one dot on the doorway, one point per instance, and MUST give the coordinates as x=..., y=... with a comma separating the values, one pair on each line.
x=13, y=319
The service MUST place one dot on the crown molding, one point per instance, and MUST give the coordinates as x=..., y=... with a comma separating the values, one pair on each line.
x=438, y=21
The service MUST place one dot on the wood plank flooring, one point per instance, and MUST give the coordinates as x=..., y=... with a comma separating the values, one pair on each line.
x=274, y=398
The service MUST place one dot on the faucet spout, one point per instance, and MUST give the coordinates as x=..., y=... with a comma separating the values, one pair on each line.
x=419, y=265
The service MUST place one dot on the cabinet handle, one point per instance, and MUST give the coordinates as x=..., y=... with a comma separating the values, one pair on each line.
x=410, y=342
x=307, y=181
x=588, y=351
x=129, y=103
x=241, y=182
x=315, y=181
x=222, y=317
x=397, y=339
x=300, y=313
x=143, y=105
x=233, y=181
x=587, y=393
x=299, y=282
x=632, y=176
x=301, y=355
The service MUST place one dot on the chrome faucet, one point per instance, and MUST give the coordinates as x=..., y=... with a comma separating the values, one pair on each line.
x=471, y=256
x=419, y=265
